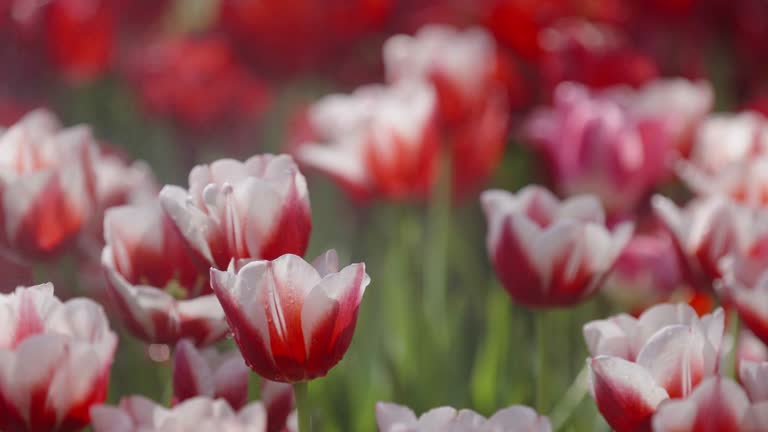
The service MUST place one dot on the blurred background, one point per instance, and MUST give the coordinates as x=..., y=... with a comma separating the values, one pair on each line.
x=176, y=83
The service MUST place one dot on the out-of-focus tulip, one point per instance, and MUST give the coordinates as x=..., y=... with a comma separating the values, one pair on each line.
x=750, y=348
x=470, y=79
x=257, y=209
x=55, y=360
x=279, y=401
x=46, y=183
x=704, y=232
x=294, y=36
x=745, y=285
x=197, y=82
x=136, y=413
x=394, y=418
x=380, y=140
x=745, y=182
x=292, y=320
x=597, y=55
x=159, y=287
x=754, y=378
x=547, y=252
x=638, y=363
x=726, y=139
x=717, y=404
x=646, y=272
x=209, y=373
x=592, y=144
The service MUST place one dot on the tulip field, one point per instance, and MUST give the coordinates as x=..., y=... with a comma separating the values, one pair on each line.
x=384, y=215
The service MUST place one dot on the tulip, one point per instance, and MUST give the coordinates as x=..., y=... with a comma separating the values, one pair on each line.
x=637, y=364
x=137, y=413
x=722, y=140
x=595, y=145
x=55, y=360
x=378, y=141
x=549, y=252
x=745, y=286
x=745, y=182
x=257, y=209
x=209, y=373
x=646, y=272
x=717, y=404
x=394, y=418
x=704, y=232
x=279, y=400
x=46, y=183
x=292, y=320
x=461, y=64
x=158, y=285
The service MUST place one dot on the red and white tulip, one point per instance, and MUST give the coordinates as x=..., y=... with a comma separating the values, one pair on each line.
x=55, y=360
x=209, y=373
x=725, y=139
x=395, y=418
x=549, y=252
x=257, y=209
x=157, y=283
x=137, y=413
x=292, y=320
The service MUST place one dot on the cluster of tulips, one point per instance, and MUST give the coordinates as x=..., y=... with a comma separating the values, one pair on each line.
x=649, y=200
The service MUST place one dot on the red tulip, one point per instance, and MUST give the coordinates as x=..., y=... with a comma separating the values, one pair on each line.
x=547, y=252
x=158, y=285
x=55, y=360
x=209, y=373
x=46, y=183
x=395, y=418
x=136, y=413
x=257, y=209
x=638, y=363
x=377, y=141
x=292, y=321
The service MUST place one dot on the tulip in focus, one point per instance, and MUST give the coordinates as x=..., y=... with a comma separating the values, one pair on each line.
x=157, y=283
x=55, y=360
x=46, y=183
x=637, y=363
x=395, y=418
x=549, y=252
x=137, y=413
x=292, y=320
x=257, y=209
x=209, y=373
x=378, y=141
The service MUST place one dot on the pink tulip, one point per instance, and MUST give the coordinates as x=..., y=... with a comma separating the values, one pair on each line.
x=292, y=320
x=209, y=373
x=46, y=183
x=704, y=232
x=158, y=285
x=242, y=210
x=717, y=404
x=137, y=413
x=549, y=252
x=395, y=418
x=646, y=272
x=55, y=360
x=378, y=141
x=593, y=144
x=638, y=363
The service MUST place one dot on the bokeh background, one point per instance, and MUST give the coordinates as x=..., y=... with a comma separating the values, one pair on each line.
x=176, y=83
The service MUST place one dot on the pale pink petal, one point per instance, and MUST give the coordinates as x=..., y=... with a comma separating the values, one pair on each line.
x=754, y=378
x=389, y=416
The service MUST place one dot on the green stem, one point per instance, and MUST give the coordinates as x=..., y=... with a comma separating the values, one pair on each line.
x=436, y=256
x=541, y=323
x=571, y=399
x=301, y=393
